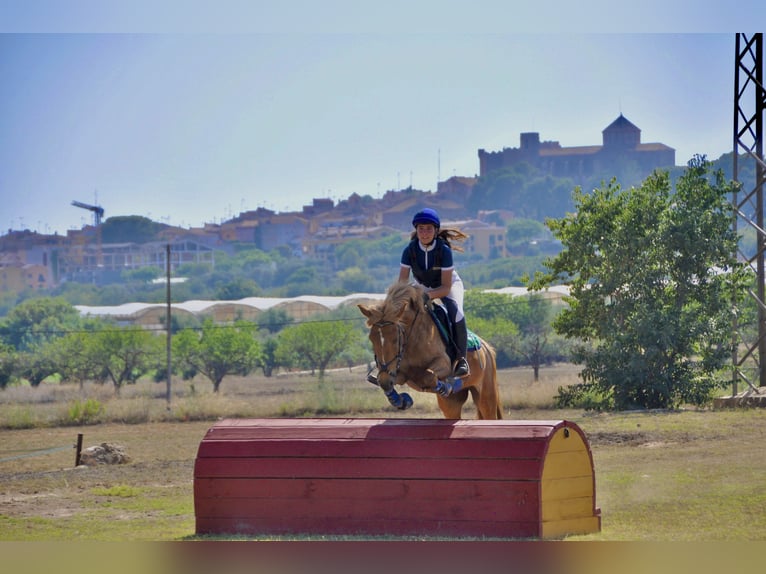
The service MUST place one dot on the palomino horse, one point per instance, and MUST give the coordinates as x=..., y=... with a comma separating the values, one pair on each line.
x=409, y=350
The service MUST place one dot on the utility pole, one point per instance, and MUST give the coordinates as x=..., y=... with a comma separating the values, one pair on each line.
x=749, y=106
x=168, y=335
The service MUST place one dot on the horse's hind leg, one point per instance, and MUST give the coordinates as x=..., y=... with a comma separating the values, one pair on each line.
x=487, y=407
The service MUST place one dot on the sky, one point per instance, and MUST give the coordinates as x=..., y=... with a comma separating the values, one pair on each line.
x=197, y=120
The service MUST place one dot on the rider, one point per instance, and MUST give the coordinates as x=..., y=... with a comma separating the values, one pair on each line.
x=429, y=257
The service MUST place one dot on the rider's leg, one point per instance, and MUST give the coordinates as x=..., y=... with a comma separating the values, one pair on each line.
x=459, y=336
x=461, y=342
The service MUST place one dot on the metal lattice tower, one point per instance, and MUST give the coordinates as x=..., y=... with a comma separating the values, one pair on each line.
x=749, y=359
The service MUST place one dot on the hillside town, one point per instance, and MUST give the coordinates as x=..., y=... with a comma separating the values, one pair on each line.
x=33, y=261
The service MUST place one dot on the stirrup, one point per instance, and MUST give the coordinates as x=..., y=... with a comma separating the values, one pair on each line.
x=461, y=368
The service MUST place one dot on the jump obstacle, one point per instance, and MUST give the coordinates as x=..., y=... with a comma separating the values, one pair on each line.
x=397, y=477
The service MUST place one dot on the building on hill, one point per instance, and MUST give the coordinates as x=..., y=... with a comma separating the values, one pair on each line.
x=484, y=239
x=621, y=144
x=281, y=230
x=456, y=187
x=15, y=278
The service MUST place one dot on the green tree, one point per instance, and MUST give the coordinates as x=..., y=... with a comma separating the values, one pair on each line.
x=354, y=280
x=218, y=351
x=130, y=229
x=237, y=288
x=534, y=316
x=36, y=321
x=124, y=354
x=652, y=277
x=269, y=361
x=75, y=358
x=316, y=344
x=36, y=365
x=489, y=315
x=274, y=319
x=8, y=364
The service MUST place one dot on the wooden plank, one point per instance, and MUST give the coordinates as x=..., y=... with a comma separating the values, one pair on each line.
x=372, y=508
x=567, y=508
x=441, y=448
x=378, y=429
x=569, y=487
x=566, y=464
x=488, y=469
x=512, y=492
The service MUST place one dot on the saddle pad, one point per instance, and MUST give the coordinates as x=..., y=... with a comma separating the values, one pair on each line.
x=474, y=343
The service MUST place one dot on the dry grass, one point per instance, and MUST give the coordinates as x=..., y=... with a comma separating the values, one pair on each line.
x=343, y=392
x=690, y=475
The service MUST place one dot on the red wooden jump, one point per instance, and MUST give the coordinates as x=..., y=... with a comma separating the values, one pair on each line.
x=396, y=477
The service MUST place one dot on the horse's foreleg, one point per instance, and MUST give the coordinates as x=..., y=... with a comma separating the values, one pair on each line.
x=401, y=401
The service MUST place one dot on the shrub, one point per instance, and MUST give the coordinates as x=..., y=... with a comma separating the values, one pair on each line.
x=84, y=412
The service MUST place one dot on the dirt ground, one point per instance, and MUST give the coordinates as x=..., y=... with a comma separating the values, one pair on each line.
x=38, y=481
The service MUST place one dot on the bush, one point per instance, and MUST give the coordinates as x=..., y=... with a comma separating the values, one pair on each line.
x=83, y=413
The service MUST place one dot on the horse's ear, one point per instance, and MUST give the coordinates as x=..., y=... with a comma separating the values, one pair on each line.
x=366, y=311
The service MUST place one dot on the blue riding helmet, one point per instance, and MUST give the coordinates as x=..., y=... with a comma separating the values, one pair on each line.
x=427, y=215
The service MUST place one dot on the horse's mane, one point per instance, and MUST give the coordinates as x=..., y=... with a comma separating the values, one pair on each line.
x=399, y=294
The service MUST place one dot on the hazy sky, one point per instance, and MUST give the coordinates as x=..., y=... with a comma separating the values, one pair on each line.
x=193, y=127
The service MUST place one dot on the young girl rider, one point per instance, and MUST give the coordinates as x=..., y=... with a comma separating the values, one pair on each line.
x=429, y=257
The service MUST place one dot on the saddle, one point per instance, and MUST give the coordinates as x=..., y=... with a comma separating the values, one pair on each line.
x=440, y=316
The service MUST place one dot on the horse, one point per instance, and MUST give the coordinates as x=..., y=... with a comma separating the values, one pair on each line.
x=409, y=349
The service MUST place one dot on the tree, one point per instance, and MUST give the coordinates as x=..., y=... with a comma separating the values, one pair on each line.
x=36, y=365
x=124, y=354
x=269, y=360
x=37, y=321
x=520, y=328
x=316, y=344
x=237, y=288
x=488, y=315
x=274, y=319
x=218, y=351
x=8, y=364
x=653, y=277
x=75, y=358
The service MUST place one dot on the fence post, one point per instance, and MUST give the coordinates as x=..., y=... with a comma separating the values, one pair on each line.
x=79, y=450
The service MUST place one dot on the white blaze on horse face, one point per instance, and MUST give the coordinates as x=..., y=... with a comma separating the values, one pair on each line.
x=382, y=340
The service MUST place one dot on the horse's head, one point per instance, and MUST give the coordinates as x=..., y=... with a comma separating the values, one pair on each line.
x=388, y=322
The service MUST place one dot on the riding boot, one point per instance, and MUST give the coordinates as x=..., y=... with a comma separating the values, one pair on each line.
x=461, y=344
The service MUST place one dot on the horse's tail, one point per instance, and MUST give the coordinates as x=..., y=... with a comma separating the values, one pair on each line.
x=490, y=378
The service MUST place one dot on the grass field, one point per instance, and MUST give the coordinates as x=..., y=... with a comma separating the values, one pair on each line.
x=688, y=475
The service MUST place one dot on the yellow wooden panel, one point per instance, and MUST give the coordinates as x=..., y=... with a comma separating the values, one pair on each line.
x=561, y=528
x=574, y=487
x=568, y=508
x=567, y=487
x=566, y=465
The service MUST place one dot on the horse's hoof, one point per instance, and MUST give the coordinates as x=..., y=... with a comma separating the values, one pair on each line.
x=406, y=401
x=372, y=379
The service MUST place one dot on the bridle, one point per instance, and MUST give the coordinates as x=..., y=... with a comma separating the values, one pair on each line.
x=401, y=345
